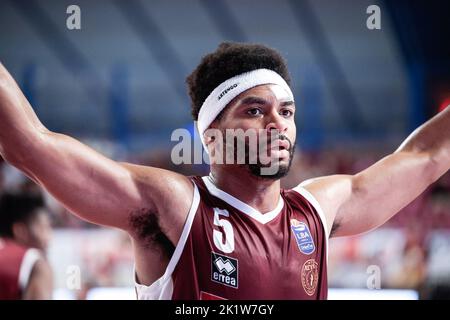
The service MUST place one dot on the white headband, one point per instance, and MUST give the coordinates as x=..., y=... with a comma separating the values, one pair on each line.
x=222, y=95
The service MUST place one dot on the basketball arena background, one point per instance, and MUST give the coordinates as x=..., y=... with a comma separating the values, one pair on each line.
x=118, y=84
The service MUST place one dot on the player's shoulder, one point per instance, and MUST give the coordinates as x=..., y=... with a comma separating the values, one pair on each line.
x=160, y=184
x=302, y=199
x=12, y=247
x=297, y=194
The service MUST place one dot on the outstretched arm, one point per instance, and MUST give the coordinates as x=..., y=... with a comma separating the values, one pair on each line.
x=92, y=186
x=355, y=204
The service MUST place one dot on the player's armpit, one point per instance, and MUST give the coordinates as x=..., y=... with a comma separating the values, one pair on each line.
x=170, y=197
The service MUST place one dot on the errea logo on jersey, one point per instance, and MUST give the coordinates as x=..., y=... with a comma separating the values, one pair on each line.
x=224, y=270
x=224, y=266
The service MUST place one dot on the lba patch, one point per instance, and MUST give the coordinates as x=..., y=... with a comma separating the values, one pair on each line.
x=303, y=236
x=224, y=270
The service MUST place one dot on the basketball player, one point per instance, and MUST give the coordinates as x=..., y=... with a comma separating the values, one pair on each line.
x=234, y=234
x=24, y=236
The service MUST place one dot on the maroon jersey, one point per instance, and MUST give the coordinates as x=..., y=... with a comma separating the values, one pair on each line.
x=229, y=250
x=16, y=264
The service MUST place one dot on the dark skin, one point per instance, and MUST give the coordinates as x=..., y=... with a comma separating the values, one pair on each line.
x=110, y=193
x=257, y=108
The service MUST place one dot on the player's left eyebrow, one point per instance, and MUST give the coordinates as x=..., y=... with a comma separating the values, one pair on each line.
x=258, y=100
x=253, y=100
x=288, y=103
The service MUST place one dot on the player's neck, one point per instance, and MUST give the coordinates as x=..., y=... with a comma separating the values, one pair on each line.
x=261, y=194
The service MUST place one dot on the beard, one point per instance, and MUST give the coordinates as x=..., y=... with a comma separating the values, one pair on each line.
x=271, y=168
x=256, y=156
x=282, y=169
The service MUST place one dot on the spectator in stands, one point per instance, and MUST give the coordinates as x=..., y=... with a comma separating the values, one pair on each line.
x=24, y=237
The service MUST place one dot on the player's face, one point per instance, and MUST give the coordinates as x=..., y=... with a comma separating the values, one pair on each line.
x=265, y=109
x=40, y=231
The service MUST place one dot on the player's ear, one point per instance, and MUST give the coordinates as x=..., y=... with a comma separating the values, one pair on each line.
x=209, y=139
x=214, y=141
x=211, y=135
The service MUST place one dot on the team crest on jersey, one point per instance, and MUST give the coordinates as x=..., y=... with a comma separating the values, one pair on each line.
x=224, y=270
x=310, y=276
x=303, y=236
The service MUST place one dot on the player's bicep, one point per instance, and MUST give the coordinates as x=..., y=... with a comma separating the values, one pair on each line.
x=90, y=185
x=382, y=190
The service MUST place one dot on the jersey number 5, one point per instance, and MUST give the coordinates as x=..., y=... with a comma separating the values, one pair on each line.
x=226, y=246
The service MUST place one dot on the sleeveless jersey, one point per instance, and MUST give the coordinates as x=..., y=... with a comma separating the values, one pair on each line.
x=229, y=250
x=16, y=264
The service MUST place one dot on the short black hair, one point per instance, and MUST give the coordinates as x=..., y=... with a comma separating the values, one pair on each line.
x=17, y=208
x=231, y=59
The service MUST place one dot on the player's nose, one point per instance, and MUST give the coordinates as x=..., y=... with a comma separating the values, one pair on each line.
x=276, y=122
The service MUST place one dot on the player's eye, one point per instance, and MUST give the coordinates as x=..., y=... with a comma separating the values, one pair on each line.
x=254, y=111
x=286, y=113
